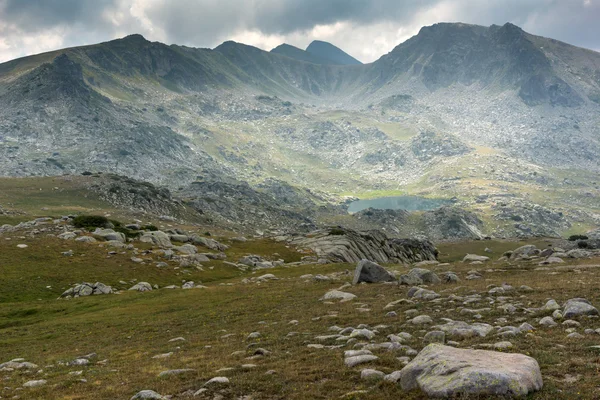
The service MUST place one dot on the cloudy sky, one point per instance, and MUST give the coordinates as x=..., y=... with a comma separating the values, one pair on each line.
x=366, y=29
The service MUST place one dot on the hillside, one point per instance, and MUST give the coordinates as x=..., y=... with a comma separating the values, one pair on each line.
x=87, y=312
x=505, y=122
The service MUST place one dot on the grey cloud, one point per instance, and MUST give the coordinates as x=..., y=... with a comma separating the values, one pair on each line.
x=207, y=19
x=36, y=15
x=206, y=23
x=573, y=21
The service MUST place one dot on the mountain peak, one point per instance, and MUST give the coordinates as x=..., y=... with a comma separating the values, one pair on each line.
x=333, y=54
x=298, y=54
x=134, y=38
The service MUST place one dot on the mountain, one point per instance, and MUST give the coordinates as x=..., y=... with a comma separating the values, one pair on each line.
x=498, y=56
x=299, y=54
x=492, y=116
x=317, y=52
x=329, y=52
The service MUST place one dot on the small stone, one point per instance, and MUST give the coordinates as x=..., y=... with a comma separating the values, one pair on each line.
x=80, y=362
x=575, y=335
x=371, y=374
x=33, y=384
x=338, y=295
x=435, y=337
x=356, y=360
x=362, y=334
x=551, y=305
x=218, y=380
x=148, y=395
x=161, y=356
x=421, y=320
x=548, y=322
x=172, y=372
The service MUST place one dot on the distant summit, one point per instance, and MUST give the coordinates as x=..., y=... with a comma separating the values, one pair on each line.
x=299, y=54
x=317, y=52
x=334, y=54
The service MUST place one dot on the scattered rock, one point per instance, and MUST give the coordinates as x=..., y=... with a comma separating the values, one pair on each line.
x=217, y=380
x=435, y=337
x=338, y=295
x=524, y=252
x=33, y=384
x=475, y=257
x=547, y=322
x=87, y=289
x=172, y=372
x=419, y=276
x=141, y=287
x=361, y=359
x=421, y=320
x=148, y=395
x=110, y=235
x=371, y=374
x=577, y=307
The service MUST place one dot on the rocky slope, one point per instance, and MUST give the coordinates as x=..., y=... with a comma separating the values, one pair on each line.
x=457, y=111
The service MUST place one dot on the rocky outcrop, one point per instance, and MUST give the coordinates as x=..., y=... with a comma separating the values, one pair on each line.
x=87, y=289
x=346, y=245
x=451, y=222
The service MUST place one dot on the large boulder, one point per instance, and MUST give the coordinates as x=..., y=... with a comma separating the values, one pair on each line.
x=419, y=276
x=462, y=330
x=147, y=395
x=418, y=293
x=110, y=235
x=338, y=295
x=368, y=271
x=578, y=307
x=158, y=238
x=578, y=253
x=443, y=372
x=525, y=252
x=208, y=243
x=67, y=235
x=475, y=257
x=141, y=287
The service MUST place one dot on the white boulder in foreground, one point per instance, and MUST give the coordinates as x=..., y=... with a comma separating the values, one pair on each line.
x=443, y=371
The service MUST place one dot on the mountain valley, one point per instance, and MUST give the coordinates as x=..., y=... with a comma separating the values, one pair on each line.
x=234, y=223
x=522, y=122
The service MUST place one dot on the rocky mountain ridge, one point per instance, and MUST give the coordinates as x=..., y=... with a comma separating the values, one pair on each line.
x=456, y=111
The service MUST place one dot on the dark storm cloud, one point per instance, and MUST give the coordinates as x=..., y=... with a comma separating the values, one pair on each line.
x=203, y=19
x=35, y=15
x=370, y=28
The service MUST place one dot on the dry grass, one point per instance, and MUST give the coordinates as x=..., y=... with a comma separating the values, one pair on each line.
x=128, y=329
